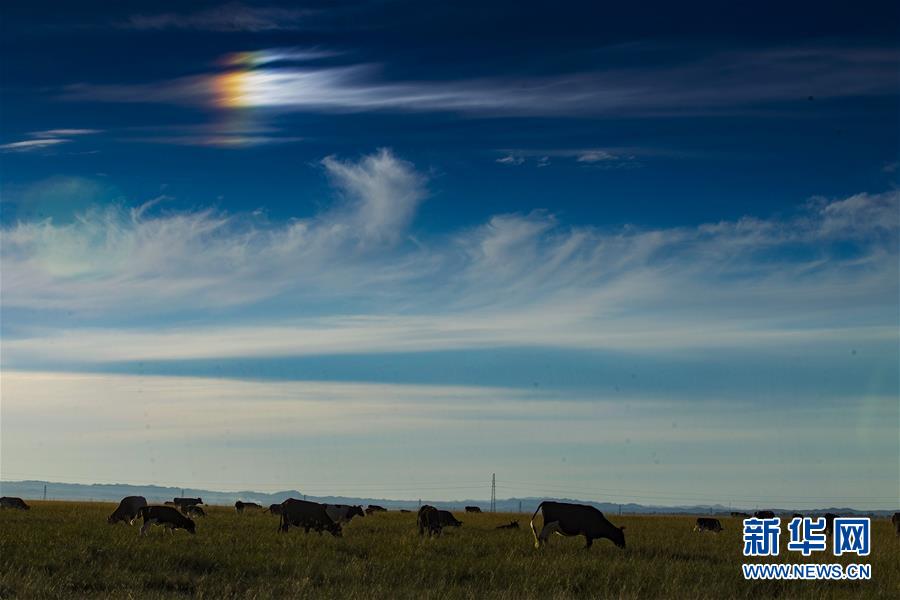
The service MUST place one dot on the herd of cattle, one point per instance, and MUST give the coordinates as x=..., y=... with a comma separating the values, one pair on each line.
x=562, y=518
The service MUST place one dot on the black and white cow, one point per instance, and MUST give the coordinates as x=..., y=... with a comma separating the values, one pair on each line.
x=575, y=519
x=128, y=510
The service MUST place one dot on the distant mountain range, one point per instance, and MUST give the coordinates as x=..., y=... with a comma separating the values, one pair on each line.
x=99, y=492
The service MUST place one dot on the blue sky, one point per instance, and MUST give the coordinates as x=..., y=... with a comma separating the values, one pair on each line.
x=644, y=255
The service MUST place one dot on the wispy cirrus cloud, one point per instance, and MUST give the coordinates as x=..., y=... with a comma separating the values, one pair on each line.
x=735, y=81
x=52, y=133
x=351, y=279
x=226, y=18
x=45, y=139
x=32, y=145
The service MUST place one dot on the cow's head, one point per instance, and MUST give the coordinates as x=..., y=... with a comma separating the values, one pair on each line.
x=357, y=510
x=111, y=519
x=335, y=530
x=618, y=537
x=190, y=526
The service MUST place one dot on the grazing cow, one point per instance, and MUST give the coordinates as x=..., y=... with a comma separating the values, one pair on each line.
x=182, y=502
x=403, y=510
x=473, y=509
x=242, y=506
x=308, y=515
x=829, y=522
x=708, y=524
x=343, y=513
x=446, y=519
x=194, y=511
x=428, y=520
x=764, y=514
x=275, y=509
x=165, y=516
x=740, y=515
x=575, y=519
x=510, y=525
x=12, y=502
x=128, y=510
x=895, y=521
x=374, y=508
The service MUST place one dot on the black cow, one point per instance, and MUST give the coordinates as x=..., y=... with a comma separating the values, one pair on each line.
x=128, y=510
x=374, y=508
x=242, y=506
x=165, y=516
x=895, y=521
x=182, y=502
x=764, y=514
x=308, y=515
x=12, y=502
x=575, y=519
x=194, y=511
x=428, y=520
x=510, y=525
x=708, y=524
x=473, y=509
x=829, y=522
x=403, y=510
x=275, y=509
x=446, y=519
x=740, y=515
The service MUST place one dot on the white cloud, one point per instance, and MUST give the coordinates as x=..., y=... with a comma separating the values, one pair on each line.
x=344, y=283
x=383, y=193
x=509, y=159
x=51, y=133
x=32, y=145
x=740, y=80
x=593, y=156
x=356, y=437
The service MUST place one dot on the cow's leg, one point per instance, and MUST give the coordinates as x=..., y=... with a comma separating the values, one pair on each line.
x=145, y=527
x=546, y=530
x=590, y=542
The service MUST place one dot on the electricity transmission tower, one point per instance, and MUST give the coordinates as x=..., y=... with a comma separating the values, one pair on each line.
x=493, y=492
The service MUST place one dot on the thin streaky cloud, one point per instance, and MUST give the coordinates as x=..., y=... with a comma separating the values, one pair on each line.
x=52, y=133
x=33, y=145
x=745, y=81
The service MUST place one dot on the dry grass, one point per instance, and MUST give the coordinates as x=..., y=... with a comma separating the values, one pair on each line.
x=65, y=550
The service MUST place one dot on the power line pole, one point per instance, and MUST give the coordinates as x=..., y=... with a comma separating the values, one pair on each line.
x=493, y=492
x=520, y=506
x=45, y=491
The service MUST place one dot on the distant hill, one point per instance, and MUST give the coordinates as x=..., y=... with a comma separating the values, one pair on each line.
x=101, y=492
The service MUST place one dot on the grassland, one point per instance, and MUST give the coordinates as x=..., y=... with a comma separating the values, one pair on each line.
x=66, y=550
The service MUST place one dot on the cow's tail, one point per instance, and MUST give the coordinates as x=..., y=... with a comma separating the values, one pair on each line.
x=537, y=541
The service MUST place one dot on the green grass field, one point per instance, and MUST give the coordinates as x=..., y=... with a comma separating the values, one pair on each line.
x=66, y=550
